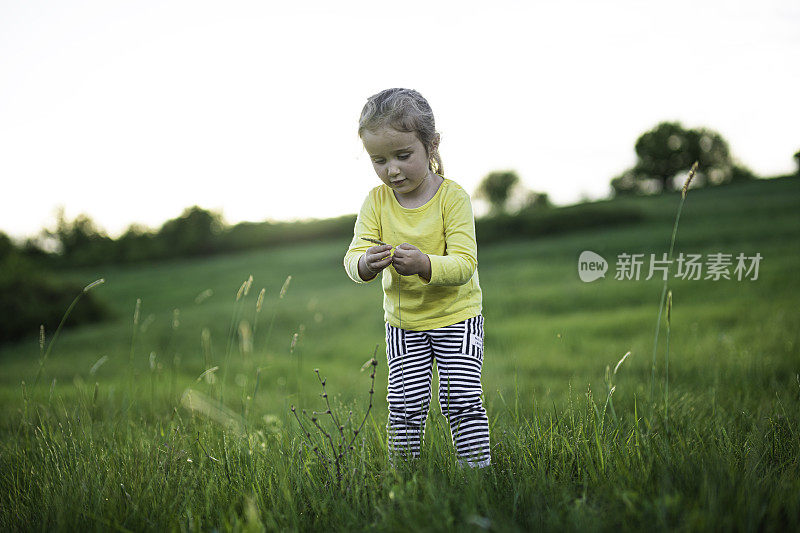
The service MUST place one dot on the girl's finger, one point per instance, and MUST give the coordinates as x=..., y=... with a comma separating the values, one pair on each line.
x=377, y=258
x=377, y=267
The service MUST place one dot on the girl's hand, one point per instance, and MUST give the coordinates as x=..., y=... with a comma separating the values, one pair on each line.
x=375, y=259
x=409, y=260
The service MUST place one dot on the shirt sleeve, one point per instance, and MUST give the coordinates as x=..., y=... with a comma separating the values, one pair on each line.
x=367, y=225
x=460, y=259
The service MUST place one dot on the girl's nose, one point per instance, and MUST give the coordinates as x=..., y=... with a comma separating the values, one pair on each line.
x=393, y=171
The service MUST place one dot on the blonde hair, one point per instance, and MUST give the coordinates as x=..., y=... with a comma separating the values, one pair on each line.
x=404, y=110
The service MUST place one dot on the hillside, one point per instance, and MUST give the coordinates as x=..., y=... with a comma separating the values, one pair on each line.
x=177, y=414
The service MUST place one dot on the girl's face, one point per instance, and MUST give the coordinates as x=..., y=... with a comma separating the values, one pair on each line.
x=398, y=157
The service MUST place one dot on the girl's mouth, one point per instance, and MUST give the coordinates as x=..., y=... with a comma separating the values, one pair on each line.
x=398, y=182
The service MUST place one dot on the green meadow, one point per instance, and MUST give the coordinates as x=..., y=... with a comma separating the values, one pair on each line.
x=175, y=413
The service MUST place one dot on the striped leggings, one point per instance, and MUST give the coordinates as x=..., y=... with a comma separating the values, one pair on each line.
x=458, y=352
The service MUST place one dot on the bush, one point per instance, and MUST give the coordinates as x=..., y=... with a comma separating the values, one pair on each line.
x=538, y=223
x=30, y=298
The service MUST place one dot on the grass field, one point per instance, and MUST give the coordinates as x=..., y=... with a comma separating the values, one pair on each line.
x=109, y=439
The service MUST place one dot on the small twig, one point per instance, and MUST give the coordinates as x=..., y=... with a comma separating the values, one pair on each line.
x=330, y=411
x=344, y=447
x=330, y=440
x=374, y=364
x=311, y=444
x=204, y=449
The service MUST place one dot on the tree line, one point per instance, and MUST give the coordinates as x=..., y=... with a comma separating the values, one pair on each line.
x=195, y=232
x=664, y=154
x=31, y=293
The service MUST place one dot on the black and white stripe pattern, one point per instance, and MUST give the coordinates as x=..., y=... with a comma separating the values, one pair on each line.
x=458, y=352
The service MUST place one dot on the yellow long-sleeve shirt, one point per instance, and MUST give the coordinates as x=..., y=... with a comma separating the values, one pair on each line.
x=444, y=229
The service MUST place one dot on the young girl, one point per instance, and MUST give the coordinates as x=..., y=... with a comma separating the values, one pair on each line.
x=432, y=298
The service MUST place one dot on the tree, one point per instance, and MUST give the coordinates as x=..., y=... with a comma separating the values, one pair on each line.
x=6, y=246
x=136, y=244
x=668, y=150
x=192, y=233
x=537, y=201
x=629, y=182
x=80, y=241
x=496, y=188
x=797, y=160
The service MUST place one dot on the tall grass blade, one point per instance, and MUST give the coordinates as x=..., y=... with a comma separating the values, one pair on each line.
x=64, y=318
x=692, y=172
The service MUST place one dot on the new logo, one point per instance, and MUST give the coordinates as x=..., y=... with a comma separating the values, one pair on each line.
x=591, y=266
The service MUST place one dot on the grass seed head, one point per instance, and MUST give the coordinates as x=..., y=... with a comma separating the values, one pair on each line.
x=93, y=284
x=260, y=300
x=692, y=172
x=240, y=292
x=206, y=373
x=669, y=307
x=245, y=336
x=621, y=361
x=376, y=241
x=203, y=296
x=285, y=287
x=100, y=362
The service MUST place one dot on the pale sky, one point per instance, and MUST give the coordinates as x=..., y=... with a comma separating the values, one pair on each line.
x=132, y=111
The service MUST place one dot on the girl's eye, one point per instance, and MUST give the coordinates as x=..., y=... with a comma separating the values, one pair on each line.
x=401, y=157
